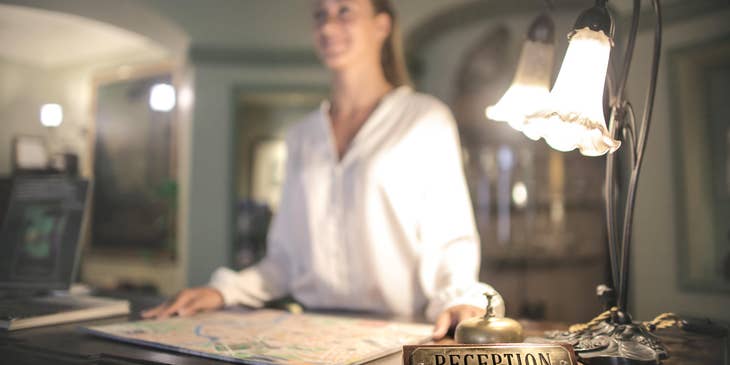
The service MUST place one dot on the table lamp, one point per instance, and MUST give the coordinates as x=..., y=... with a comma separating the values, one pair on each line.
x=572, y=117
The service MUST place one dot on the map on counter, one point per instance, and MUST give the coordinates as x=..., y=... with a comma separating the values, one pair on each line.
x=271, y=336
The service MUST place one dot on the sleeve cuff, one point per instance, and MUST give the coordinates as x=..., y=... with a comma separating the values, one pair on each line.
x=252, y=287
x=223, y=279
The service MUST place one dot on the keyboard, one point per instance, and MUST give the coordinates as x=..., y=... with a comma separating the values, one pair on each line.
x=28, y=307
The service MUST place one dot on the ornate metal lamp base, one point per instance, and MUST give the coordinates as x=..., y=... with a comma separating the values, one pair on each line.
x=612, y=342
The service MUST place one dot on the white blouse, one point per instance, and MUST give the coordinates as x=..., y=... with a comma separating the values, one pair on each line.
x=388, y=228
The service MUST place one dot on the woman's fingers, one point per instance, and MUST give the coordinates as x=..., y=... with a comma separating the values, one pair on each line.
x=470, y=312
x=156, y=311
x=169, y=307
x=152, y=312
x=187, y=302
x=197, y=304
x=453, y=316
x=443, y=322
x=205, y=299
x=180, y=302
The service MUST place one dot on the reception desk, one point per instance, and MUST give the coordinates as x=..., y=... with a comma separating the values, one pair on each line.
x=64, y=344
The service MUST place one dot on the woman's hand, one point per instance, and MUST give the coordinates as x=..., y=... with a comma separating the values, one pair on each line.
x=187, y=302
x=452, y=316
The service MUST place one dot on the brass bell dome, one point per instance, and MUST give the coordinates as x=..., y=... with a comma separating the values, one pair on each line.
x=488, y=329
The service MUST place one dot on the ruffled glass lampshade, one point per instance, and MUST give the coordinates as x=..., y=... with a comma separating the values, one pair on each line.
x=531, y=84
x=573, y=117
x=530, y=87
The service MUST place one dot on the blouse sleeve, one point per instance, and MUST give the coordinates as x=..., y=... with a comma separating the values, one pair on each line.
x=449, y=265
x=268, y=279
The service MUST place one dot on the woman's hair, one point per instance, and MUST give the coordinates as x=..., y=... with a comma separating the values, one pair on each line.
x=392, y=58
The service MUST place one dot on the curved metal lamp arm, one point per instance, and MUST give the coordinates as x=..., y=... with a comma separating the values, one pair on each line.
x=630, y=131
x=640, y=148
x=609, y=194
x=629, y=53
x=616, y=125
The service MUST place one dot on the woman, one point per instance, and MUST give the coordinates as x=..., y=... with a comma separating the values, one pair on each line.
x=375, y=214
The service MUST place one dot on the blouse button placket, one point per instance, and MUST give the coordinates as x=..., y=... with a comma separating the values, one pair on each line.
x=339, y=262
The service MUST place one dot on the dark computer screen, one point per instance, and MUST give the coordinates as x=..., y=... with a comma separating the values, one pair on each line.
x=40, y=234
x=5, y=184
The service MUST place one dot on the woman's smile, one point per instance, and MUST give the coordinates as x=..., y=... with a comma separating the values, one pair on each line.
x=333, y=46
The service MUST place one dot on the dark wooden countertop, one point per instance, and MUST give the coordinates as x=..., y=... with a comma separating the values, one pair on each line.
x=63, y=344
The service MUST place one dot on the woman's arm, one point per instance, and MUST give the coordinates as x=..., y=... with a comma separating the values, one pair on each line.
x=253, y=286
x=449, y=267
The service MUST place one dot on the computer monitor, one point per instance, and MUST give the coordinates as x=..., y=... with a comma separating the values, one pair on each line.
x=5, y=184
x=40, y=235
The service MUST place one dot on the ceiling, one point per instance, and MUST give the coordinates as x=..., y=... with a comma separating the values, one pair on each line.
x=50, y=39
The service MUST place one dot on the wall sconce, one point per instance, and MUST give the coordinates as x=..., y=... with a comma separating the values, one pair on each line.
x=162, y=97
x=573, y=118
x=51, y=115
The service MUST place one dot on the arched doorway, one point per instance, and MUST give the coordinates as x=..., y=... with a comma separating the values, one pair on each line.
x=73, y=54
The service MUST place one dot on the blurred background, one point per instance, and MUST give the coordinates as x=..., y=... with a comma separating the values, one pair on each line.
x=177, y=110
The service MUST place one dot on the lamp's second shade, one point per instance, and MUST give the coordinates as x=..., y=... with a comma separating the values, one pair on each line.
x=530, y=87
x=574, y=116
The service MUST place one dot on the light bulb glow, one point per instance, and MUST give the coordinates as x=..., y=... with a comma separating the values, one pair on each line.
x=574, y=116
x=162, y=97
x=519, y=194
x=51, y=115
x=530, y=87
